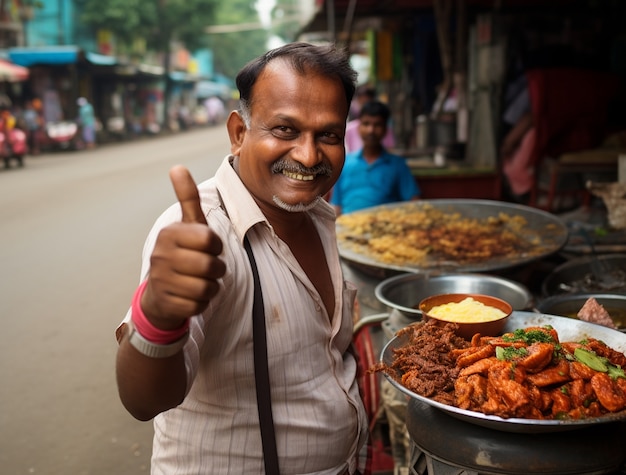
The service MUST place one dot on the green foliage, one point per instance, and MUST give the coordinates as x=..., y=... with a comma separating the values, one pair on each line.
x=126, y=19
x=158, y=22
x=286, y=29
x=232, y=50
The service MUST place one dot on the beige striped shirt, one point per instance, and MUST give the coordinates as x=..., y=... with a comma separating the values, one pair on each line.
x=319, y=417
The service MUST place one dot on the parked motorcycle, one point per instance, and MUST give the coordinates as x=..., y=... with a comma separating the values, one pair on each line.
x=116, y=128
x=13, y=146
x=61, y=135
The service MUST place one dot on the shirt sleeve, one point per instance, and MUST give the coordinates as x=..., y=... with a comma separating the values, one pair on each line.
x=335, y=195
x=409, y=188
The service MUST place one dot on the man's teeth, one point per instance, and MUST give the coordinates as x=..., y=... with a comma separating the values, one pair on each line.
x=298, y=176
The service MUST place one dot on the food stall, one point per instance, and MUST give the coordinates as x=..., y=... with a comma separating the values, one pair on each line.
x=513, y=445
x=492, y=245
x=443, y=236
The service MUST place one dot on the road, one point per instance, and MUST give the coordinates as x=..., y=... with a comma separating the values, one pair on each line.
x=72, y=231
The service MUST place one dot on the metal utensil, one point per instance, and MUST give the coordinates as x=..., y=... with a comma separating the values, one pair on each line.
x=602, y=273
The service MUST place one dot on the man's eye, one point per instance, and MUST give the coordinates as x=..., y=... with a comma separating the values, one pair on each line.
x=284, y=131
x=330, y=138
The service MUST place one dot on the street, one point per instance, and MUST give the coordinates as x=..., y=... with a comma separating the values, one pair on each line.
x=73, y=226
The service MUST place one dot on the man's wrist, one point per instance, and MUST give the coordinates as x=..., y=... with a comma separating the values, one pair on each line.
x=154, y=350
x=146, y=329
x=150, y=340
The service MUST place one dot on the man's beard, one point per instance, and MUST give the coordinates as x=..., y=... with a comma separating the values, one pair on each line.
x=294, y=167
x=297, y=208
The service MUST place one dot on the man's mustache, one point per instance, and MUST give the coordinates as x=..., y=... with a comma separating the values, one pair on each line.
x=295, y=167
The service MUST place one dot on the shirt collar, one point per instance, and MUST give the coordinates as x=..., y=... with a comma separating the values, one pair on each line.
x=382, y=156
x=240, y=206
x=237, y=201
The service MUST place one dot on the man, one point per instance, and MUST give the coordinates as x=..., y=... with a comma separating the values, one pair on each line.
x=197, y=290
x=372, y=176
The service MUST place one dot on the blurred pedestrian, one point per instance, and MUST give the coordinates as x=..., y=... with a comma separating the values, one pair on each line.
x=34, y=125
x=364, y=93
x=353, y=140
x=215, y=110
x=87, y=122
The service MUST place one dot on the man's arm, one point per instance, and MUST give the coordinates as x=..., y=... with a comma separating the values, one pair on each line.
x=148, y=386
x=183, y=277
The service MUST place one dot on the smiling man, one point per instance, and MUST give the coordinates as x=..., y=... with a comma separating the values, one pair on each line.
x=186, y=344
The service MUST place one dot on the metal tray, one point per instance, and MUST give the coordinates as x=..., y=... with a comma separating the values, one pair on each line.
x=568, y=330
x=548, y=233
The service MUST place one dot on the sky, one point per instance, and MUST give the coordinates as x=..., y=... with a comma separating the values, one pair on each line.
x=264, y=7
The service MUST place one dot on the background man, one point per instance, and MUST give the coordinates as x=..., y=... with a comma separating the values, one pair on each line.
x=372, y=176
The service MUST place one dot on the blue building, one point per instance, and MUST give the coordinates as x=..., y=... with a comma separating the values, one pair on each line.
x=67, y=60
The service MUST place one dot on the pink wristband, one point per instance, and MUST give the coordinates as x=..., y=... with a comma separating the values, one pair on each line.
x=146, y=329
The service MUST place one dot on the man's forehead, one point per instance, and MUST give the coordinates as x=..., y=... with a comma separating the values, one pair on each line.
x=282, y=71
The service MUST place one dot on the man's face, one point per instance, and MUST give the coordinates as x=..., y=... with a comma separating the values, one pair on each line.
x=372, y=130
x=294, y=150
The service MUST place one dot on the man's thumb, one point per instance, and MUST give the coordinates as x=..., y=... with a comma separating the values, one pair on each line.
x=187, y=193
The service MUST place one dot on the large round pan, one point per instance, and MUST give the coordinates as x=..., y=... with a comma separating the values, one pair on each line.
x=544, y=233
x=568, y=330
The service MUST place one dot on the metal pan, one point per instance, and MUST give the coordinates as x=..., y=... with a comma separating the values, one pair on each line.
x=568, y=330
x=545, y=234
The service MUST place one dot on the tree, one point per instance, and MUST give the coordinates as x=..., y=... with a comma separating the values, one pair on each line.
x=232, y=50
x=286, y=18
x=158, y=22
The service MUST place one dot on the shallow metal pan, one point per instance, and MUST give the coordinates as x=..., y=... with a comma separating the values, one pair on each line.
x=568, y=330
x=547, y=233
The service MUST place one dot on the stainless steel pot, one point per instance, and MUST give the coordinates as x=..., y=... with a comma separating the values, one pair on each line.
x=404, y=292
x=576, y=276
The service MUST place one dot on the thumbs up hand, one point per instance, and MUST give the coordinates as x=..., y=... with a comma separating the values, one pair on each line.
x=185, y=263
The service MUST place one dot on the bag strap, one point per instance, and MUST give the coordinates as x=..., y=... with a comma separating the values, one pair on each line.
x=261, y=372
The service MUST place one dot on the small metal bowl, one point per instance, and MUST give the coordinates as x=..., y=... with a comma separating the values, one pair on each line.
x=569, y=305
x=468, y=329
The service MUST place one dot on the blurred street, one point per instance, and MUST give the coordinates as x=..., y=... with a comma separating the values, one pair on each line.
x=73, y=226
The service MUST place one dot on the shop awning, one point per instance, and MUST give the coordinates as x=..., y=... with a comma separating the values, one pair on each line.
x=44, y=55
x=12, y=72
x=205, y=89
x=180, y=76
x=57, y=55
x=101, y=59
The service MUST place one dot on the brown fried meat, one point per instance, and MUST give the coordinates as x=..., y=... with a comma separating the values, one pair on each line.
x=526, y=374
x=426, y=364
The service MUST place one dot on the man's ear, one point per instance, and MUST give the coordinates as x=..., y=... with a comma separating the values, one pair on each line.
x=236, y=131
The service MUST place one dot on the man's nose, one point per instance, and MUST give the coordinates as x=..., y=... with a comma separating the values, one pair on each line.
x=307, y=151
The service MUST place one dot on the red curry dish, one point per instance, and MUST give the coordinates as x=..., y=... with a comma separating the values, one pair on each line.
x=527, y=373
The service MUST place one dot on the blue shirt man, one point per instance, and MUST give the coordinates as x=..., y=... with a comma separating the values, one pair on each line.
x=372, y=176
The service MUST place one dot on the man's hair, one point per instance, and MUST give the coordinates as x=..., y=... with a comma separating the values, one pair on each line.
x=302, y=57
x=375, y=109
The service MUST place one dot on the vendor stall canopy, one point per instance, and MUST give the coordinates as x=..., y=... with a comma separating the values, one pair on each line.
x=68, y=54
x=10, y=72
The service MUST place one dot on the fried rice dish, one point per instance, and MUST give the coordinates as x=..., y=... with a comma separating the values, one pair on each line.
x=422, y=235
